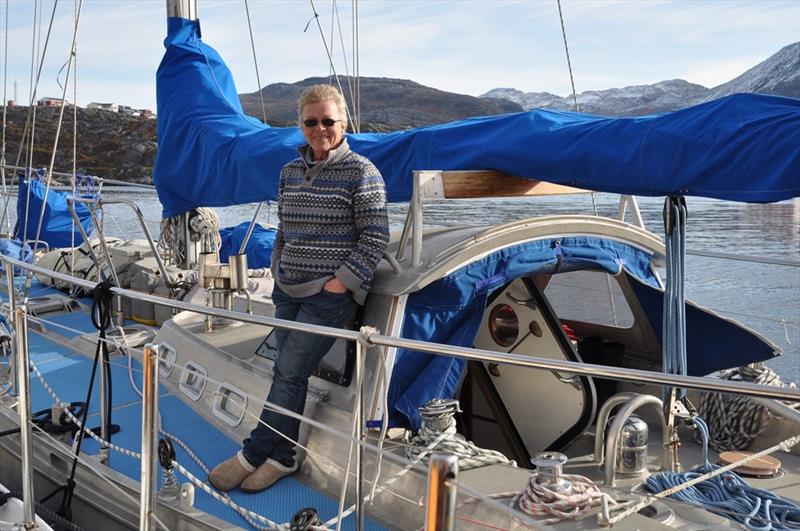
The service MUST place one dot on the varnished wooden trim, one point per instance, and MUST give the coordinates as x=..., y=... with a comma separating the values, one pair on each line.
x=489, y=183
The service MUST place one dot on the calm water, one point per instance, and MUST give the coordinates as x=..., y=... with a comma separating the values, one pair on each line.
x=765, y=297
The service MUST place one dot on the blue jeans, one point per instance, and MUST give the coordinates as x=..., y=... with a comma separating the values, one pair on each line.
x=299, y=354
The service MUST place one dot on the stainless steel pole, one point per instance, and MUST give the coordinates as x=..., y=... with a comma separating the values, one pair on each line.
x=440, y=514
x=24, y=410
x=359, y=435
x=147, y=483
x=11, y=312
x=250, y=228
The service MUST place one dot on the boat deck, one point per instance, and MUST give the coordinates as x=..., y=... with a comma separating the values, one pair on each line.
x=68, y=374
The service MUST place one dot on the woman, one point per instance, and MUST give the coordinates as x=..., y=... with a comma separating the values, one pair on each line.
x=332, y=231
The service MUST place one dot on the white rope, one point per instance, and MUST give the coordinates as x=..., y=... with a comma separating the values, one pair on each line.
x=204, y=223
x=438, y=423
x=538, y=500
x=735, y=421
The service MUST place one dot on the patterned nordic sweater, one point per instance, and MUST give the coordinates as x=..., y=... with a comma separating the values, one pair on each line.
x=332, y=221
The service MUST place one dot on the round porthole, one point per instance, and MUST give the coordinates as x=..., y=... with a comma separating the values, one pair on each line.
x=503, y=325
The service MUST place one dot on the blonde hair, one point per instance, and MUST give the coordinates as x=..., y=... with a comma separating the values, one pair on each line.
x=317, y=93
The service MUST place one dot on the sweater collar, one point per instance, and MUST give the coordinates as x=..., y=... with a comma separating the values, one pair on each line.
x=334, y=155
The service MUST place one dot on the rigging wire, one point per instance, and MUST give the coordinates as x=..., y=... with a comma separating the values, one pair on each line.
x=348, y=77
x=49, y=175
x=255, y=62
x=328, y=53
x=569, y=63
x=74, y=131
x=30, y=122
x=357, y=68
x=5, y=220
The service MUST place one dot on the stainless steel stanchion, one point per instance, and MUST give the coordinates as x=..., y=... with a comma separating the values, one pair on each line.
x=24, y=410
x=359, y=436
x=440, y=514
x=12, y=315
x=147, y=499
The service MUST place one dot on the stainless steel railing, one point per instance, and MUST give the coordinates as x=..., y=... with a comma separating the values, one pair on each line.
x=571, y=367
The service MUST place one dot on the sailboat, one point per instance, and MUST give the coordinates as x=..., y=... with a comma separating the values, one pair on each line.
x=530, y=333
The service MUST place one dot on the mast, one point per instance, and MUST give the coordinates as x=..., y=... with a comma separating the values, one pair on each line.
x=182, y=9
x=186, y=9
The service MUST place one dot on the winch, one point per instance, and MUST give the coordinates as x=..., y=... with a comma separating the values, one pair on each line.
x=632, y=446
x=549, y=472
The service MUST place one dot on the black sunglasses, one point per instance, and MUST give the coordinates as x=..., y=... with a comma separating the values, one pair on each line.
x=312, y=122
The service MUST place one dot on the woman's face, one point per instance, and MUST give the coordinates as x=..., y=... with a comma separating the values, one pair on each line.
x=322, y=138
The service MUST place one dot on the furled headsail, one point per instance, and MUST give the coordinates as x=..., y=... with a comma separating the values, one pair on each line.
x=744, y=147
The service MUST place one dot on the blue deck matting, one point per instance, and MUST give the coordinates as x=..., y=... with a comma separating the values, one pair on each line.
x=68, y=374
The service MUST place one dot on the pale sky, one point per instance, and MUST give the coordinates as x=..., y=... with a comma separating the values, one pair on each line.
x=466, y=46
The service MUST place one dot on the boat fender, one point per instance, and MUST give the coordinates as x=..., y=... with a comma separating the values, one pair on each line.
x=304, y=519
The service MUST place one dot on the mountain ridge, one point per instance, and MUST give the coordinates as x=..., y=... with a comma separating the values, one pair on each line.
x=777, y=75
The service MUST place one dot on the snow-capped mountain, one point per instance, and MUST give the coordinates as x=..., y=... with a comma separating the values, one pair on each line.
x=779, y=75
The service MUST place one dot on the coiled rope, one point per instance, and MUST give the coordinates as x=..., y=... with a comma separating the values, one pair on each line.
x=204, y=228
x=729, y=495
x=438, y=420
x=538, y=500
x=735, y=421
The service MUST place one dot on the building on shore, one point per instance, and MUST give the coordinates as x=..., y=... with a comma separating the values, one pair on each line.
x=113, y=107
x=51, y=102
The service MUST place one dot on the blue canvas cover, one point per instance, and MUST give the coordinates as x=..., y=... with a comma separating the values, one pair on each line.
x=712, y=343
x=450, y=310
x=57, y=224
x=744, y=147
x=17, y=250
x=259, y=246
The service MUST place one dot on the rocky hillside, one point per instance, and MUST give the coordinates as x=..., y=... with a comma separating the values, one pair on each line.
x=386, y=104
x=109, y=145
x=778, y=75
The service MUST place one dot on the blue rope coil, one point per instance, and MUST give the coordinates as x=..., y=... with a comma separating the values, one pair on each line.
x=729, y=495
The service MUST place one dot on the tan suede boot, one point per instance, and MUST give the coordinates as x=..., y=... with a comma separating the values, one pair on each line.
x=230, y=474
x=266, y=475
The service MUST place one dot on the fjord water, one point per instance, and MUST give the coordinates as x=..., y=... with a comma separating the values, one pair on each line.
x=765, y=297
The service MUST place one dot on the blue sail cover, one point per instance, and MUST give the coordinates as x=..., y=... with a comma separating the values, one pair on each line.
x=57, y=224
x=744, y=147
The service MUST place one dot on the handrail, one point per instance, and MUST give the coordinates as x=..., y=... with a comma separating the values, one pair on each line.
x=571, y=367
